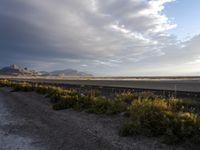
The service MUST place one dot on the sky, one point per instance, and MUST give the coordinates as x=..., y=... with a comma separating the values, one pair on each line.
x=102, y=37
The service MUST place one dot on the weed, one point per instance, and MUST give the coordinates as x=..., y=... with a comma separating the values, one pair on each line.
x=160, y=118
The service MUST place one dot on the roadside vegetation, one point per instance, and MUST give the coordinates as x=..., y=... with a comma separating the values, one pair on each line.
x=172, y=120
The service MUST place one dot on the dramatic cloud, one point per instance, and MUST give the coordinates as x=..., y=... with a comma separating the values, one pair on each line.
x=89, y=33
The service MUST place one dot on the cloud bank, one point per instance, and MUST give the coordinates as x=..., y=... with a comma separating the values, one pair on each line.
x=97, y=35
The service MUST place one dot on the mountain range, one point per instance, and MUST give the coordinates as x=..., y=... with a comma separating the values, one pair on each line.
x=15, y=70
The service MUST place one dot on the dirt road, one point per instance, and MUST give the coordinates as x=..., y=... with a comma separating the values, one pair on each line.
x=27, y=122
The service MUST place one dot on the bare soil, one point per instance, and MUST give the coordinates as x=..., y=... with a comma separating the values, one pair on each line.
x=27, y=122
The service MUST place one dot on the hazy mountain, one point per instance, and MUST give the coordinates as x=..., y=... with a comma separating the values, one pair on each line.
x=17, y=70
x=67, y=72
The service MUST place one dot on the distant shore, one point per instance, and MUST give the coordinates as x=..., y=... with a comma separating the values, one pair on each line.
x=103, y=77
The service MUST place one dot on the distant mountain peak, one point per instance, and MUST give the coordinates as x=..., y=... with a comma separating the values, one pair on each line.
x=18, y=70
x=68, y=72
x=14, y=66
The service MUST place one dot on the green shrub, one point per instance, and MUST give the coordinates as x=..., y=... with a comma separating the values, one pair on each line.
x=101, y=105
x=158, y=118
x=65, y=102
x=4, y=83
x=41, y=89
x=185, y=105
x=83, y=102
x=90, y=102
x=129, y=97
x=24, y=86
x=56, y=94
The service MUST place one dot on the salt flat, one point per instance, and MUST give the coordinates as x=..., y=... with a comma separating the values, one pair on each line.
x=187, y=85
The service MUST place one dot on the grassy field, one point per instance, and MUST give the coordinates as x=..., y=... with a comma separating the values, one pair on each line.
x=172, y=120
